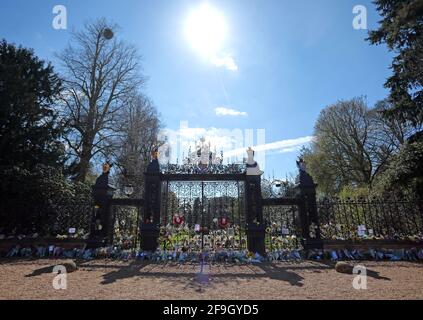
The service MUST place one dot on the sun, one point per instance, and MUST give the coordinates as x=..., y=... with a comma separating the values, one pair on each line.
x=206, y=30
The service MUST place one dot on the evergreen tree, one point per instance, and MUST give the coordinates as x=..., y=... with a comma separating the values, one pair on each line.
x=29, y=131
x=402, y=31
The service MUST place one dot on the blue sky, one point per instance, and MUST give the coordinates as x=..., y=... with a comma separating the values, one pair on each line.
x=293, y=58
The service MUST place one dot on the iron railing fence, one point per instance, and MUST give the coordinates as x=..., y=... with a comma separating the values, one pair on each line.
x=372, y=218
x=20, y=218
x=349, y=219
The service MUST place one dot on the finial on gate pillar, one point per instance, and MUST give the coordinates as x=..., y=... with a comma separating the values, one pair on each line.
x=106, y=168
x=301, y=165
x=253, y=168
x=154, y=166
x=103, y=180
x=304, y=179
x=155, y=154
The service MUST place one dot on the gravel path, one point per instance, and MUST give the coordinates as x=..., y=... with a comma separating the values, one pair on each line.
x=20, y=279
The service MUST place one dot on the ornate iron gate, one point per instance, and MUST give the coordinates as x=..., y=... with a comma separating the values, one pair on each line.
x=210, y=206
x=202, y=215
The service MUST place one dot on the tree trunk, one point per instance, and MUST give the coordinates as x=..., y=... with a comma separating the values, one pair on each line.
x=83, y=168
x=84, y=163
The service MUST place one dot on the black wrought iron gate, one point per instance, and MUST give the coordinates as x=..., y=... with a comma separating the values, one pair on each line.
x=217, y=209
x=202, y=214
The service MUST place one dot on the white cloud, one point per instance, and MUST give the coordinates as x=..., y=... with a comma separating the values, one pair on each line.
x=283, y=146
x=227, y=62
x=290, y=150
x=222, y=111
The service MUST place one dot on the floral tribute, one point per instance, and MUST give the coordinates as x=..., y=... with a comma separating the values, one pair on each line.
x=178, y=220
x=185, y=255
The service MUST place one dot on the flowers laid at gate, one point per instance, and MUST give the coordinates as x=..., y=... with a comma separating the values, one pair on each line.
x=223, y=223
x=178, y=220
x=313, y=230
x=184, y=255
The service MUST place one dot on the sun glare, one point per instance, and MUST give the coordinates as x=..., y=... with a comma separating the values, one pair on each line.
x=206, y=30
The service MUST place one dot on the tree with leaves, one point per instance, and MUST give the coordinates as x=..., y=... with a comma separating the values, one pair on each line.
x=353, y=145
x=404, y=174
x=30, y=132
x=401, y=29
x=100, y=72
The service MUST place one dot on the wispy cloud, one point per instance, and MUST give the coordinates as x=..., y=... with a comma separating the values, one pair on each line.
x=282, y=146
x=226, y=62
x=222, y=112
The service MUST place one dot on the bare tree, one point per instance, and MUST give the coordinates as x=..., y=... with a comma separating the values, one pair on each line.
x=140, y=125
x=342, y=133
x=100, y=71
x=394, y=130
x=353, y=145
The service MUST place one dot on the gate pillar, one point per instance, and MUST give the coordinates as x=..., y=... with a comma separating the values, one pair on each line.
x=256, y=231
x=150, y=224
x=101, y=228
x=308, y=215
